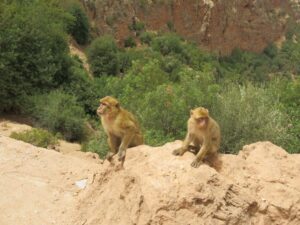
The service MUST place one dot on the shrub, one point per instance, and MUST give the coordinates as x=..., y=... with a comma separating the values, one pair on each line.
x=37, y=137
x=166, y=44
x=137, y=26
x=103, y=56
x=147, y=37
x=79, y=84
x=32, y=54
x=248, y=114
x=59, y=112
x=129, y=42
x=290, y=97
x=97, y=144
x=79, y=29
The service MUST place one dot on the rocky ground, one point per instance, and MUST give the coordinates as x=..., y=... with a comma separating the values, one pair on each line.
x=261, y=185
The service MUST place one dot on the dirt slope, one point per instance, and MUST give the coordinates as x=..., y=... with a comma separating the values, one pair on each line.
x=259, y=186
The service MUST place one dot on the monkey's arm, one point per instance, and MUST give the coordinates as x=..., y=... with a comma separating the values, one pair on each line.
x=205, y=148
x=185, y=145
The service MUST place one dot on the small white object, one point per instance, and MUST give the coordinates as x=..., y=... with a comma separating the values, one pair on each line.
x=81, y=183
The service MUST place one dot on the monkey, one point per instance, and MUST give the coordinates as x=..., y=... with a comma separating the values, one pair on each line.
x=120, y=126
x=204, y=133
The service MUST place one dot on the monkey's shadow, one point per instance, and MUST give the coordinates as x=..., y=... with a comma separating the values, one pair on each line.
x=213, y=160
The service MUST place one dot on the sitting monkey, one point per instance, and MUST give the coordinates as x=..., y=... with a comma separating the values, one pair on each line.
x=121, y=127
x=204, y=133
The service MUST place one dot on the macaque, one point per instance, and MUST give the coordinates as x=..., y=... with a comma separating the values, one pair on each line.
x=204, y=133
x=121, y=127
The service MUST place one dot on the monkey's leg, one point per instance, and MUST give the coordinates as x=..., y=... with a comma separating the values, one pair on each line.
x=113, y=143
x=124, y=145
x=200, y=156
x=138, y=139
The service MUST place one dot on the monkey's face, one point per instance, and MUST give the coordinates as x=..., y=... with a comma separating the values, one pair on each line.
x=200, y=116
x=201, y=122
x=103, y=109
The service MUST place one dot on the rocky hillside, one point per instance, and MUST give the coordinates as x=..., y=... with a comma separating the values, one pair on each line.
x=261, y=185
x=219, y=26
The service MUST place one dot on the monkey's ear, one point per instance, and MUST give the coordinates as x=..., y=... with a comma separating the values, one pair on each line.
x=118, y=105
x=191, y=112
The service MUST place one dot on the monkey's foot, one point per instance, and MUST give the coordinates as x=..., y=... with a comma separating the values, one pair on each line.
x=196, y=163
x=121, y=156
x=109, y=156
x=178, y=152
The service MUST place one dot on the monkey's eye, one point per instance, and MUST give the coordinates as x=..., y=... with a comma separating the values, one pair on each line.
x=199, y=120
x=101, y=103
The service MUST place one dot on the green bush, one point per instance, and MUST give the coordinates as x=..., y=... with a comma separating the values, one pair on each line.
x=290, y=98
x=129, y=42
x=97, y=144
x=137, y=26
x=59, y=112
x=37, y=137
x=79, y=29
x=167, y=44
x=33, y=52
x=103, y=56
x=147, y=37
x=80, y=85
x=248, y=114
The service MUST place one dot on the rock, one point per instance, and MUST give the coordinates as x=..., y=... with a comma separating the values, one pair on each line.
x=260, y=186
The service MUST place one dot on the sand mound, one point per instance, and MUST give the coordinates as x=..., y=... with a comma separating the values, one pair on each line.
x=261, y=185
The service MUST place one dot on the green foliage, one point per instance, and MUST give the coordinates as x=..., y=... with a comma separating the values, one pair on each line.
x=129, y=42
x=170, y=26
x=97, y=144
x=167, y=44
x=80, y=85
x=137, y=26
x=37, y=137
x=59, y=112
x=103, y=56
x=147, y=37
x=32, y=55
x=290, y=97
x=79, y=29
x=248, y=114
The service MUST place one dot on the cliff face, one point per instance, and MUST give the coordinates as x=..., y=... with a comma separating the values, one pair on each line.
x=216, y=25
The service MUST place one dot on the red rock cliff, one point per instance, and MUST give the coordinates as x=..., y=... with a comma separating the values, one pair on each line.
x=216, y=25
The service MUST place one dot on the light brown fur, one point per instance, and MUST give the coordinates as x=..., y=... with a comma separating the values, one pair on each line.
x=121, y=127
x=204, y=133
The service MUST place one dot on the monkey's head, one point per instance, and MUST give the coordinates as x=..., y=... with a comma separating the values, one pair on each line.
x=108, y=105
x=201, y=116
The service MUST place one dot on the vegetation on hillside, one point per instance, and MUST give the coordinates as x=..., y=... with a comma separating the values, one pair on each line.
x=253, y=96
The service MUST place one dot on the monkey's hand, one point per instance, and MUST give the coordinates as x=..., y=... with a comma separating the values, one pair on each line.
x=196, y=163
x=178, y=151
x=121, y=155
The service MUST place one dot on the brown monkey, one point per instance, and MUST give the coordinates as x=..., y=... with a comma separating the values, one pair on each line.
x=203, y=131
x=121, y=127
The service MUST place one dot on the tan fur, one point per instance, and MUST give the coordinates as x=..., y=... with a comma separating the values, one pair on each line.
x=120, y=126
x=203, y=133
